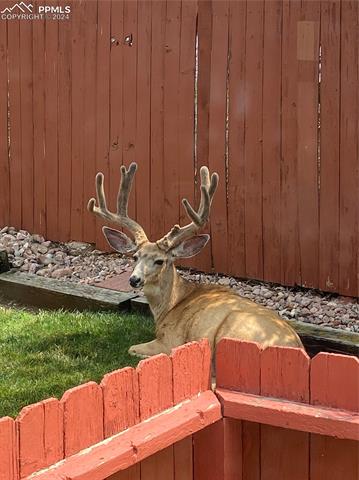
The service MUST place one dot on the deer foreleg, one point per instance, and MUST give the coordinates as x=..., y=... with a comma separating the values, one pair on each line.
x=145, y=350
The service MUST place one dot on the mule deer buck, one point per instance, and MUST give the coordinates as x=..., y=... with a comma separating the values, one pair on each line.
x=184, y=311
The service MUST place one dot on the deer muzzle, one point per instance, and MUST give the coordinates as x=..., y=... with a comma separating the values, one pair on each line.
x=136, y=282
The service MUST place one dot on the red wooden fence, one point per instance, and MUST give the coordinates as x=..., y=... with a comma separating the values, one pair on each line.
x=275, y=414
x=264, y=92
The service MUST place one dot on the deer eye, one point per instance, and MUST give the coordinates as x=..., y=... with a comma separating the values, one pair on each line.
x=158, y=262
x=135, y=257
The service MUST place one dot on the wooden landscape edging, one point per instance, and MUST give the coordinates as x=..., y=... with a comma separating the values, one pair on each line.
x=52, y=293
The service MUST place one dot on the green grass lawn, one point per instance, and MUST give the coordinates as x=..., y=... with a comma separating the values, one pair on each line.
x=44, y=353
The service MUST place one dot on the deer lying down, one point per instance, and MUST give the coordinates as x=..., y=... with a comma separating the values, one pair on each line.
x=185, y=311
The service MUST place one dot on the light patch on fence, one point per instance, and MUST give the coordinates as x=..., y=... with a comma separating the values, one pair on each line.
x=305, y=41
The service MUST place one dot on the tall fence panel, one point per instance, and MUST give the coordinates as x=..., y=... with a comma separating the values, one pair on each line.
x=265, y=93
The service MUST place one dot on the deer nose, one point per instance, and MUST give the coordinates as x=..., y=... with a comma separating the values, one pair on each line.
x=135, y=281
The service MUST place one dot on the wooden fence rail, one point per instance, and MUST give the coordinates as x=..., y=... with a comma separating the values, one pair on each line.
x=275, y=413
x=264, y=92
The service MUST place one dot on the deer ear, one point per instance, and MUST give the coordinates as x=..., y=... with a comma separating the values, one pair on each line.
x=119, y=241
x=190, y=248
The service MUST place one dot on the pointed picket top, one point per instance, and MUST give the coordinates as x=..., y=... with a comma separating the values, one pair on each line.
x=40, y=435
x=155, y=385
x=120, y=400
x=334, y=381
x=191, y=369
x=285, y=373
x=238, y=365
x=83, y=417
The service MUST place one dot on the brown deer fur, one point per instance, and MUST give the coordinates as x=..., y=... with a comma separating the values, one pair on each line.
x=186, y=311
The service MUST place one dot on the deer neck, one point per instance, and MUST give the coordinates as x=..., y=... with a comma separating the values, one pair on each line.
x=167, y=292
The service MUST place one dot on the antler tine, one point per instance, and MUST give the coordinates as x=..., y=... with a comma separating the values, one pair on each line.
x=177, y=234
x=125, y=188
x=121, y=217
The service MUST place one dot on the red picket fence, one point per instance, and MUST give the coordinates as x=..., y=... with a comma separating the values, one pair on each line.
x=275, y=414
x=264, y=92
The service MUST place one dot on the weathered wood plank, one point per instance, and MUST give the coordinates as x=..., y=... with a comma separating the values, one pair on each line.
x=8, y=449
x=83, y=417
x=155, y=382
x=334, y=382
x=120, y=400
x=51, y=293
x=40, y=436
x=284, y=374
x=294, y=415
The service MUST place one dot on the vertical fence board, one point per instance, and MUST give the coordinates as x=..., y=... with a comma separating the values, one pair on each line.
x=236, y=112
x=238, y=365
x=90, y=113
x=218, y=451
x=27, y=155
x=307, y=149
x=77, y=110
x=156, y=394
x=203, y=103
x=284, y=374
x=183, y=459
x=159, y=465
x=217, y=133
x=51, y=147
x=191, y=370
x=39, y=125
x=143, y=132
x=253, y=139
x=8, y=448
x=238, y=368
x=208, y=449
x=14, y=76
x=132, y=473
x=233, y=450
x=4, y=160
x=172, y=100
x=64, y=128
x=157, y=127
x=103, y=71
x=334, y=383
x=83, y=417
x=272, y=87
x=129, y=92
x=349, y=169
x=186, y=167
x=120, y=400
x=116, y=102
x=187, y=117
x=329, y=145
x=290, y=272
x=40, y=433
x=155, y=385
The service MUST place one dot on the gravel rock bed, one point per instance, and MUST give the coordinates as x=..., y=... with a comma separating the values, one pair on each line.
x=82, y=263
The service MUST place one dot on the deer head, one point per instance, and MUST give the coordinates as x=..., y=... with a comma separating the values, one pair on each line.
x=153, y=258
